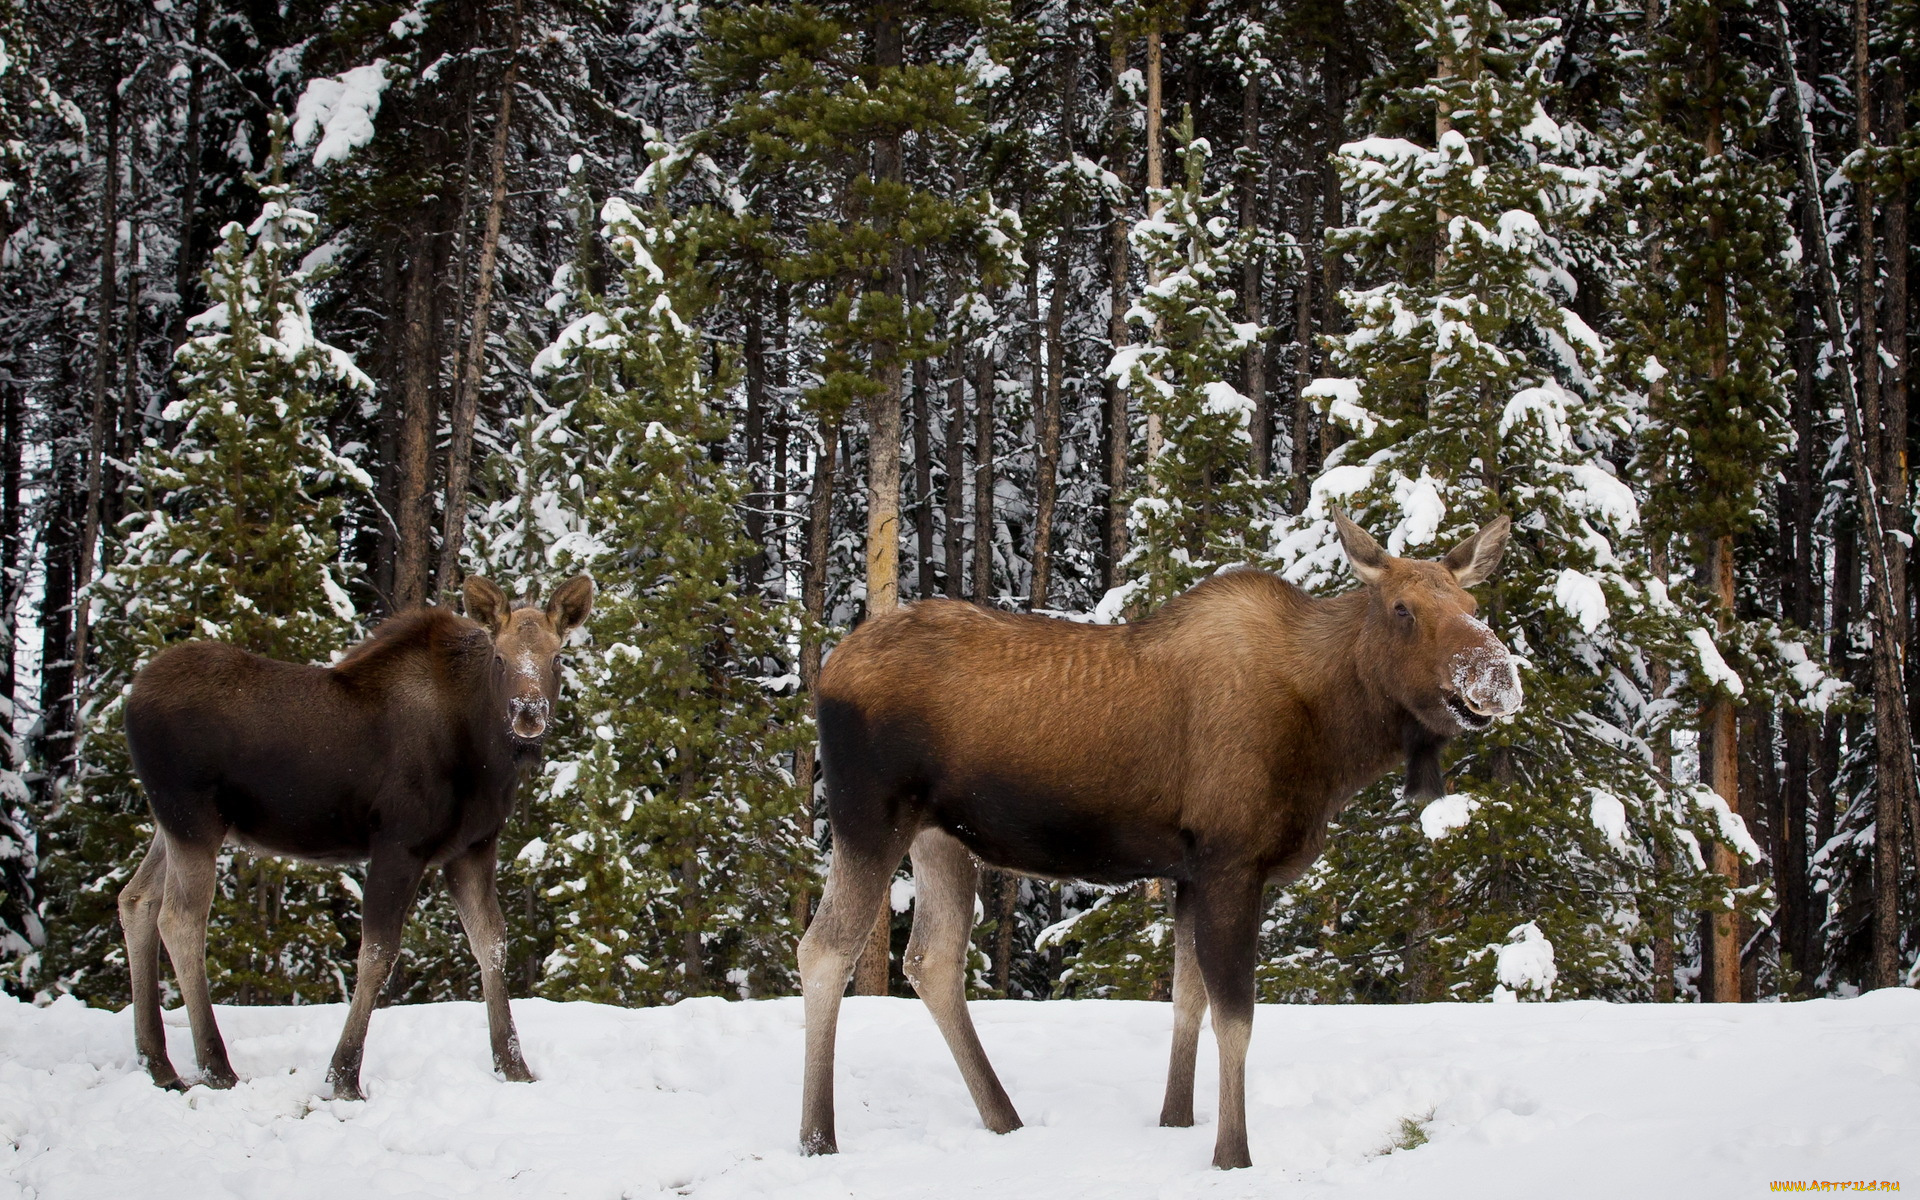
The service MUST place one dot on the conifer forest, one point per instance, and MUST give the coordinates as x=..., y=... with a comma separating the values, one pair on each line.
x=772, y=316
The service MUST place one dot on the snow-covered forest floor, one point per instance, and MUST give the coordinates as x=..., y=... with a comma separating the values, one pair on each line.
x=702, y=1099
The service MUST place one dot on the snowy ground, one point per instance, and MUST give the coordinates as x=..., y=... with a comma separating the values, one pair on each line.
x=1560, y=1100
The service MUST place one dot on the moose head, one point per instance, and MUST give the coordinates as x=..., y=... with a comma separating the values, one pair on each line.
x=1427, y=651
x=526, y=650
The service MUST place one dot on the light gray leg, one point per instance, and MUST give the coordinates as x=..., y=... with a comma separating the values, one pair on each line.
x=140, y=904
x=1189, y=1005
x=470, y=878
x=856, y=885
x=1226, y=930
x=392, y=881
x=192, y=872
x=944, y=878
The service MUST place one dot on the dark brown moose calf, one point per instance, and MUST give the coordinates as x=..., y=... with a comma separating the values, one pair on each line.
x=404, y=755
x=1208, y=744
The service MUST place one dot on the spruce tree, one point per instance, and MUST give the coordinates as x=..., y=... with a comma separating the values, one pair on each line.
x=680, y=831
x=1469, y=388
x=234, y=535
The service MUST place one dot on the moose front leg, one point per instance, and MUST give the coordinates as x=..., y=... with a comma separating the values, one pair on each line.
x=470, y=878
x=393, y=877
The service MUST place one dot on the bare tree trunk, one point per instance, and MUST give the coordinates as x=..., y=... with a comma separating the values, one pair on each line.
x=12, y=573
x=883, y=462
x=112, y=501
x=755, y=355
x=1302, y=464
x=1892, y=365
x=983, y=408
x=97, y=433
x=184, y=265
x=1046, y=485
x=922, y=450
x=956, y=448
x=1156, y=179
x=466, y=394
x=1119, y=435
x=1334, y=111
x=1719, y=743
x=1796, y=504
x=1892, y=728
x=414, y=457
x=1261, y=423
x=813, y=609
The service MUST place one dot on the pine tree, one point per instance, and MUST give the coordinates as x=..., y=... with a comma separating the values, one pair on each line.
x=234, y=535
x=680, y=831
x=1469, y=389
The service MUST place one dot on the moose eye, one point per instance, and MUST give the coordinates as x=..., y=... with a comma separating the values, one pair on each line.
x=1402, y=611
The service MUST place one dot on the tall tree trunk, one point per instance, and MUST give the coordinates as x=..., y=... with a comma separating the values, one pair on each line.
x=1895, y=783
x=1333, y=103
x=112, y=500
x=413, y=476
x=1719, y=739
x=12, y=571
x=1892, y=367
x=97, y=431
x=983, y=410
x=954, y=543
x=1118, y=434
x=922, y=449
x=1047, y=483
x=185, y=266
x=1796, y=505
x=1309, y=241
x=755, y=519
x=1255, y=363
x=883, y=456
x=466, y=392
x=818, y=536
x=1156, y=179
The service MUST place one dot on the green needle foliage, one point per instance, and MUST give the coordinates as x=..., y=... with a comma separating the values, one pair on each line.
x=679, y=832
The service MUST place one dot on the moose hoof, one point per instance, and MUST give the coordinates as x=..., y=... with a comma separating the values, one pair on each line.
x=345, y=1088
x=1177, y=1120
x=517, y=1073
x=170, y=1081
x=1005, y=1122
x=220, y=1081
x=1231, y=1160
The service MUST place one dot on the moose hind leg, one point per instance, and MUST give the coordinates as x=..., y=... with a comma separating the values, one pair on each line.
x=856, y=886
x=192, y=871
x=392, y=880
x=1189, y=1005
x=1226, y=927
x=470, y=878
x=944, y=879
x=140, y=904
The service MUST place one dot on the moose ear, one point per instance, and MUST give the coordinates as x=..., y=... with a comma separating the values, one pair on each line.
x=486, y=603
x=1474, y=560
x=1364, y=554
x=571, y=603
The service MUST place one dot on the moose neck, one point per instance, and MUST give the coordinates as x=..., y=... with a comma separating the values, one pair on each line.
x=507, y=758
x=1369, y=730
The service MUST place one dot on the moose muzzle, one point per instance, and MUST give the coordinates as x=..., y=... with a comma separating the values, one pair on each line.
x=1488, y=681
x=528, y=716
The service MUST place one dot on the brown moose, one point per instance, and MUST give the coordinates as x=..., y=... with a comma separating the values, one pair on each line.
x=1208, y=744
x=405, y=755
